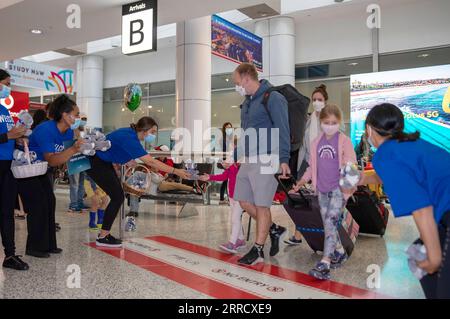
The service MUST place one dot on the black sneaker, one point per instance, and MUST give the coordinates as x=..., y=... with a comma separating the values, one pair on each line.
x=338, y=260
x=108, y=241
x=253, y=257
x=15, y=263
x=275, y=235
x=321, y=271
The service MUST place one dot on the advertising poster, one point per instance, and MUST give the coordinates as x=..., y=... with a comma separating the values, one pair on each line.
x=77, y=163
x=41, y=76
x=235, y=44
x=423, y=94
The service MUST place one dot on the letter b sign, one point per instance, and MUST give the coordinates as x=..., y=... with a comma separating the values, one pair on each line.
x=139, y=27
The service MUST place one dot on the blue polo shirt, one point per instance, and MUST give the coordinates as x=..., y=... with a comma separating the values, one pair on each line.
x=47, y=138
x=6, y=124
x=415, y=175
x=125, y=146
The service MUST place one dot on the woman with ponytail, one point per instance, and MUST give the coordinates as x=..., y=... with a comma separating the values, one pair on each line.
x=125, y=146
x=416, y=177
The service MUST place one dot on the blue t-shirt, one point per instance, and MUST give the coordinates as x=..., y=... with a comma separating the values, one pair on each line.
x=125, y=146
x=6, y=124
x=415, y=175
x=47, y=138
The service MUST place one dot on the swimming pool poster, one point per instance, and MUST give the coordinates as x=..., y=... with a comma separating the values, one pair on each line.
x=77, y=163
x=236, y=44
x=423, y=94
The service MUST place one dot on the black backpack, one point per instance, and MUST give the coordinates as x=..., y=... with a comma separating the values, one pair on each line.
x=298, y=105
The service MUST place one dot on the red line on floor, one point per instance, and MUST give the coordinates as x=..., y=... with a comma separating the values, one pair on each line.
x=199, y=283
x=295, y=276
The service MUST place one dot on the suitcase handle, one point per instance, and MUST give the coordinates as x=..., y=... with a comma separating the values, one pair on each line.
x=286, y=185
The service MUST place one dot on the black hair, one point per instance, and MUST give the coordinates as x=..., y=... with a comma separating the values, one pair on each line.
x=39, y=117
x=144, y=124
x=388, y=121
x=4, y=75
x=62, y=104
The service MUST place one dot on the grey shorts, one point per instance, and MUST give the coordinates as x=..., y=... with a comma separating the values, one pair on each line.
x=254, y=187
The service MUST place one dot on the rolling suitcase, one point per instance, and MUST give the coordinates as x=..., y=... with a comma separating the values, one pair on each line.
x=368, y=211
x=304, y=210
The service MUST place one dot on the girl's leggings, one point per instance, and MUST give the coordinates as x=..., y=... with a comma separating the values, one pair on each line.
x=331, y=208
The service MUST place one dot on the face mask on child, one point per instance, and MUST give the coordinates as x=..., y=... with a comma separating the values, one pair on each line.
x=330, y=130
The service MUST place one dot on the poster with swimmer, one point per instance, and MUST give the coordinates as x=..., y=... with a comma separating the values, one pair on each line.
x=423, y=94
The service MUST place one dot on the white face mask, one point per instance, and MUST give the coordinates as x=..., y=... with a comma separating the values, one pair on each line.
x=318, y=105
x=330, y=130
x=241, y=90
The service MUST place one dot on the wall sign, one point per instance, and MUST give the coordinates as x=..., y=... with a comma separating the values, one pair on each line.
x=40, y=76
x=139, y=27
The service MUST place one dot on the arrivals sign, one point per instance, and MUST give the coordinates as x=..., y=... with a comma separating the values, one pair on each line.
x=139, y=26
x=41, y=76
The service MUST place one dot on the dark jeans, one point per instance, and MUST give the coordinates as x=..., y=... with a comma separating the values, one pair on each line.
x=8, y=189
x=437, y=286
x=40, y=204
x=104, y=175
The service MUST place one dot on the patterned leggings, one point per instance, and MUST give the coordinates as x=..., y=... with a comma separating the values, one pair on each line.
x=331, y=208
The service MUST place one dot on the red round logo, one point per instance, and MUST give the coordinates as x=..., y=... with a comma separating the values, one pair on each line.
x=7, y=102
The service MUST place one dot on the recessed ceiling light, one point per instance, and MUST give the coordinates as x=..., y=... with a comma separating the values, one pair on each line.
x=150, y=106
x=425, y=55
x=36, y=31
x=227, y=80
x=234, y=106
x=123, y=109
x=353, y=64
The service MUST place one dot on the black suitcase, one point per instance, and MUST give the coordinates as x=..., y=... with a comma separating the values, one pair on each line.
x=304, y=210
x=368, y=211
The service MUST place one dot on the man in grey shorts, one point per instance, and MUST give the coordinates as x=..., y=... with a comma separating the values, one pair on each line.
x=261, y=156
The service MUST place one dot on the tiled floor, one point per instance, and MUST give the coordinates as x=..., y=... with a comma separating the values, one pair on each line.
x=105, y=276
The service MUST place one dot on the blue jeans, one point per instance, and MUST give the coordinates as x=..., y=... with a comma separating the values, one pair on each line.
x=76, y=190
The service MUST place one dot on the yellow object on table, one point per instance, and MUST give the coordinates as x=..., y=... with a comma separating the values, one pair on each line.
x=374, y=187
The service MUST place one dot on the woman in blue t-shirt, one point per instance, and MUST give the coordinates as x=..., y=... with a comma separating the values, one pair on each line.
x=416, y=178
x=8, y=186
x=47, y=140
x=125, y=146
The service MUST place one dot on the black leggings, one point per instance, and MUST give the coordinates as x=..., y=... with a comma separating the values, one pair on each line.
x=105, y=177
x=39, y=202
x=437, y=286
x=223, y=189
x=8, y=189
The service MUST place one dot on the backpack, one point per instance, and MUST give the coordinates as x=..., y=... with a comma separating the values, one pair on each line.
x=298, y=105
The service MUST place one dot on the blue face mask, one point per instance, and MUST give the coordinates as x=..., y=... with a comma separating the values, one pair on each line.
x=76, y=125
x=83, y=123
x=150, y=138
x=369, y=140
x=5, y=91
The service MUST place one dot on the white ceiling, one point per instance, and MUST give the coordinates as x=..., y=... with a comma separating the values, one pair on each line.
x=99, y=19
